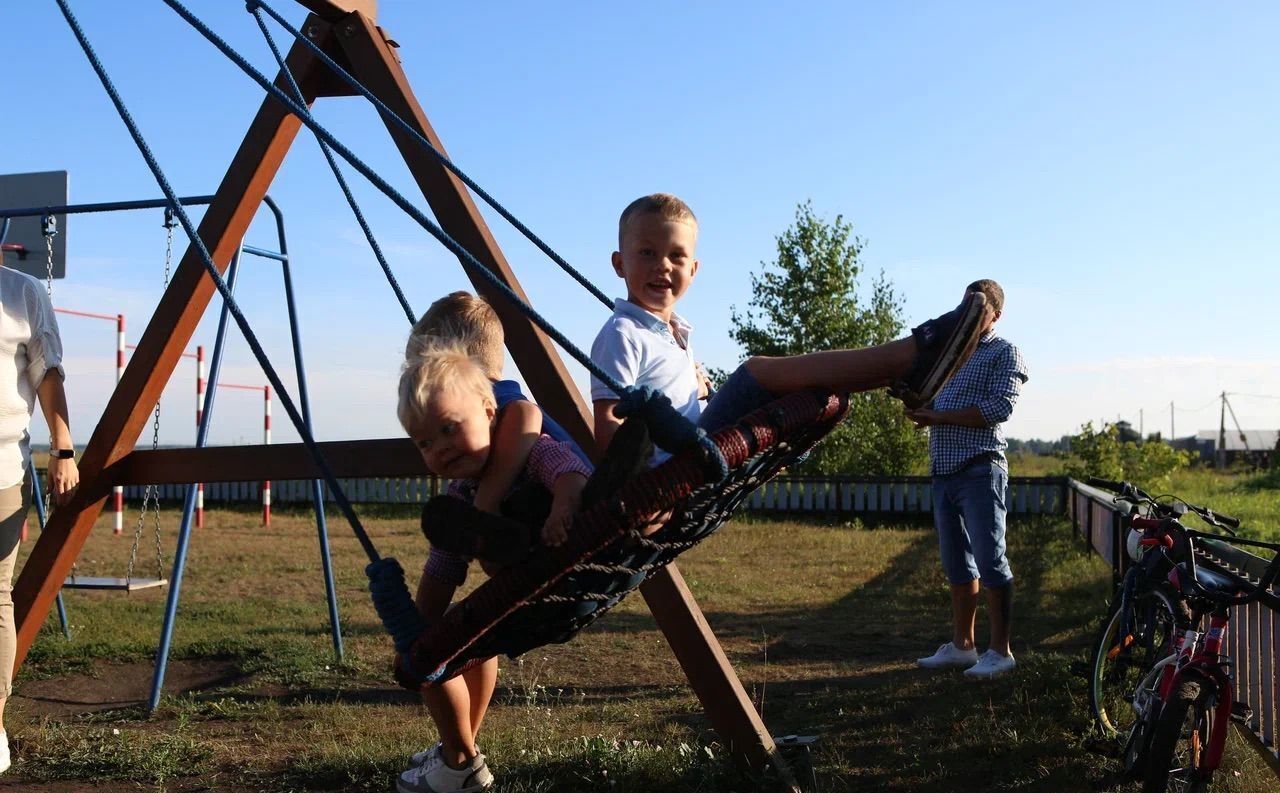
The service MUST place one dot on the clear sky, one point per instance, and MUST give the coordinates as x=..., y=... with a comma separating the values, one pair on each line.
x=1114, y=166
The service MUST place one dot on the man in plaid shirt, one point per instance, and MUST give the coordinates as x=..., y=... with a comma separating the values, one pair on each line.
x=970, y=481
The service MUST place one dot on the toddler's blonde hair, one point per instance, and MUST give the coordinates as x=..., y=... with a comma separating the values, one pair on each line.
x=434, y=369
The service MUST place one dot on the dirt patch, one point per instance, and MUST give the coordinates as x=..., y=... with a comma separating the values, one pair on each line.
x=114, y=686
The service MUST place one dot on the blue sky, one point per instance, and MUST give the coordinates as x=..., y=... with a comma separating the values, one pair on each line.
x=1114, y=167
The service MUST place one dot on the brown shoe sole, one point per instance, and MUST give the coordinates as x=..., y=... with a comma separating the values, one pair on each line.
x=959, y=347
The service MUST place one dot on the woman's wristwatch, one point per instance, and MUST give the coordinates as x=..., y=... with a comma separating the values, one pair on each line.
x=63, y=454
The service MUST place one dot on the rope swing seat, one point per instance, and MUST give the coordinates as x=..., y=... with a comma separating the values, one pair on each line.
x=553, y=593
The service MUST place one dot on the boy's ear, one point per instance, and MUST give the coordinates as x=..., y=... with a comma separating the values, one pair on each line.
x=616, y=258
x=693, y=270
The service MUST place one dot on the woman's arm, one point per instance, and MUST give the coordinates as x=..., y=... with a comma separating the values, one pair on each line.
x=64, y=475
x=519, y=425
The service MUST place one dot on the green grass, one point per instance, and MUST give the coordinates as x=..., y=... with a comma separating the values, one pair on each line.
x=821, y=621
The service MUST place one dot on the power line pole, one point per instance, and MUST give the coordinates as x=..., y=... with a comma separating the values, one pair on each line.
x=1142, y=433
x=1222, y=433
x=1173, y=436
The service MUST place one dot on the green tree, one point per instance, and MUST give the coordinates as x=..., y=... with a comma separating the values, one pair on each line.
x=1103, y=453
x=807, y=299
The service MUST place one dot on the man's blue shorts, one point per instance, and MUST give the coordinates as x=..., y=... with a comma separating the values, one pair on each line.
x=739, y=395
x=969, y=514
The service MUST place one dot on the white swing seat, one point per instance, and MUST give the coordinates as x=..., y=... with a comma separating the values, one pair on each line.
x=115, y=584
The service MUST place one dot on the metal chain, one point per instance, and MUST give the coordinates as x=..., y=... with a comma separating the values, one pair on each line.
x=49, y=225
x=151, y=496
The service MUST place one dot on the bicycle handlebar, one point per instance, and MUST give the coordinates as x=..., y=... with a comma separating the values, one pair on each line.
x=1176, y=540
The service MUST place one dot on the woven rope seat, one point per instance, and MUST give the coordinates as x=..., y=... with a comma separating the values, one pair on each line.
x=556, y=592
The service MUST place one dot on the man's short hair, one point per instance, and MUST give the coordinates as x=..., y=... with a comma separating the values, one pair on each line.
x=995, y=295
x=668, y=206
x=467, y=319
x=434, y=369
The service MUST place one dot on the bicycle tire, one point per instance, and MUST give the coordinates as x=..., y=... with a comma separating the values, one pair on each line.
x=1117, y=667
x=1180, y=740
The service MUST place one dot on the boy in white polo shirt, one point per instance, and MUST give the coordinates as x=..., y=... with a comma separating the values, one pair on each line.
x=645, y=343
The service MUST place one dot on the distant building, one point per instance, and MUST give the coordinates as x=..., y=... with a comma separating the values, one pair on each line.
x=1256, y=447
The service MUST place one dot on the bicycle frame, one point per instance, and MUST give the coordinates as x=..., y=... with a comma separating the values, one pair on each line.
x=1203, y=660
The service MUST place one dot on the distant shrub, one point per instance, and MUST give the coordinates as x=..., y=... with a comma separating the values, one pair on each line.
x=1101, y=453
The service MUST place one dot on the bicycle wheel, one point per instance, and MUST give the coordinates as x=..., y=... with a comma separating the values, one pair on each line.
x=1120, y=662
x=1180, y=742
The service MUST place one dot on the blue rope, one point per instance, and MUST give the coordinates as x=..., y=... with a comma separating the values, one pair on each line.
x=390, y=115
x=337, y=174
x=176, y=205
x=661, y=416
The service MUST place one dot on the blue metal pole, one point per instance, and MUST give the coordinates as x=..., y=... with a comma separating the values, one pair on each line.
x=189, y=506
x=317, y=487
x=38, y=497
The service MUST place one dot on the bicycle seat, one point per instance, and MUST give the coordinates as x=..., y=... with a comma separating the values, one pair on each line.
x=1217, y=582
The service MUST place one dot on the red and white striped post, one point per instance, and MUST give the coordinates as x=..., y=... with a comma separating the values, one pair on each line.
x=266, y=440
x=117, y=492
x=200, y=386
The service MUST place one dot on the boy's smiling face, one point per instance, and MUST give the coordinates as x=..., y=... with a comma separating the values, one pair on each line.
x=454, y=437
x=657, y=261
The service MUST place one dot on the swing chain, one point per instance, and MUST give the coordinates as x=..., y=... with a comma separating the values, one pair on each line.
x=151, y=496
x=49, y=226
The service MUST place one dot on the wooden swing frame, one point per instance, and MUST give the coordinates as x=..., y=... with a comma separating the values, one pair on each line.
x=347, y=31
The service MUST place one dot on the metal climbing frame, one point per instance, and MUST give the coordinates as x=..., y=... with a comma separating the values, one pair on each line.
x=206, y=414
x=346, y=30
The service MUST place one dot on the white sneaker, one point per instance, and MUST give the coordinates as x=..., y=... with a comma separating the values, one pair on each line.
x=5, y=760
x=418, y=758
x=435, y=776
x=949, y=657
x=991, y=664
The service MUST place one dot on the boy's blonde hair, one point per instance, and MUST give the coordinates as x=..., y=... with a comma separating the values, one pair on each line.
x=466, y=319
x=435, y=369
x=669, y=207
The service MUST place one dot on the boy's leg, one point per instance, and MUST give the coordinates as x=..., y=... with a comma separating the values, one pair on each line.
x=846, y=371
x=481, y=681
x=915, y=366
x=450, y=707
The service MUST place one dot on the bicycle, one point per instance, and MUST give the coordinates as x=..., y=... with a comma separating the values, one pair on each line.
x=1183, y=704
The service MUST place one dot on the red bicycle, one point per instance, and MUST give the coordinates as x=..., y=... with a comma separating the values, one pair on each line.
x=1186, y=700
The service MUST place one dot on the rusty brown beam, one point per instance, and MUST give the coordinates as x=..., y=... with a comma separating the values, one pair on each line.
x=381, y=457
x=378, y=67
x=333, y=10
x=175, y=319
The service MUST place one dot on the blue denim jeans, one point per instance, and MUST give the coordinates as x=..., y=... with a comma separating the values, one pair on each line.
x=740, y=395
x=969, y=514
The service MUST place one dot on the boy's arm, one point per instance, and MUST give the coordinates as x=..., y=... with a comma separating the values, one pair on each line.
x=606, y=424
x=519, y=426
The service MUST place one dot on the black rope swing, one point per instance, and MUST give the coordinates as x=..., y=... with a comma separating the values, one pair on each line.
x=552, y=593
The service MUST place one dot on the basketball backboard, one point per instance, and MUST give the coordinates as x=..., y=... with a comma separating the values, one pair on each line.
x=24, y=243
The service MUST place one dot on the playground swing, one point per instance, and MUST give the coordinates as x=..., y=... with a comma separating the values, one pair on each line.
x=703, y=484
x=150, y=498
x=708, y=477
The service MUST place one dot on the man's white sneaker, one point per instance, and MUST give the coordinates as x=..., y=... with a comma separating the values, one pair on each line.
x=949, y=656
x=435, y=776
x=5, y=760
x=991, y=664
